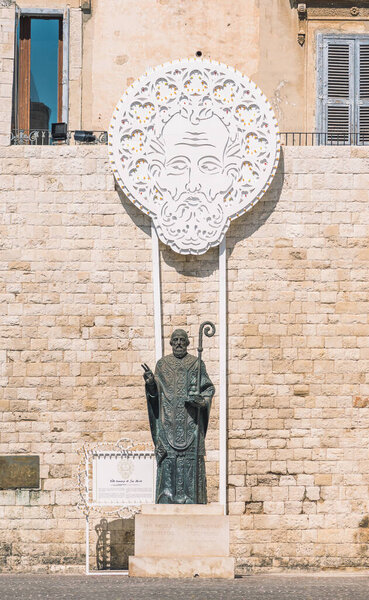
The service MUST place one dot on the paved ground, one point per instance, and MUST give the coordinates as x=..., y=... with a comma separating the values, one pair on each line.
x=114, y=587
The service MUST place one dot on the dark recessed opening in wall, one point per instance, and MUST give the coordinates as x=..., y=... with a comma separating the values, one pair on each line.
x=199, y=53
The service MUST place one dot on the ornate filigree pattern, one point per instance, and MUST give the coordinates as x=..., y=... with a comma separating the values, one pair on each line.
x=194, y=144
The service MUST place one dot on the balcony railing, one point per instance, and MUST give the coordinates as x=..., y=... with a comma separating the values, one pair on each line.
x=338, y=138
x=43, y=137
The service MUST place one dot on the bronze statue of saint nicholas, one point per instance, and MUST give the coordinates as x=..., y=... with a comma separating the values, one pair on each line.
x=179, y=399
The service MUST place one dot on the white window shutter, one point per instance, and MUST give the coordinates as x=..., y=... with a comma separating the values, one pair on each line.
x=338, y=123
x=338, y=70
x=338, y=90
x=362, y=100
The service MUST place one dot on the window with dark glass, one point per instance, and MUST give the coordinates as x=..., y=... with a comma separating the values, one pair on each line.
x=38, y=100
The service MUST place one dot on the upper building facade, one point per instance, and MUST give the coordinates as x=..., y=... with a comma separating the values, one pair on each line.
x=311, y=59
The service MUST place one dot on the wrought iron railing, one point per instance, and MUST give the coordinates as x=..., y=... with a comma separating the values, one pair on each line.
x=314, y=138
x=43, y=137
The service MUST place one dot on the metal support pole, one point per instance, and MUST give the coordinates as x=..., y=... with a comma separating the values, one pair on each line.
x=87, y=491
x=87, y=546
x=157, y=293
x=223, y=374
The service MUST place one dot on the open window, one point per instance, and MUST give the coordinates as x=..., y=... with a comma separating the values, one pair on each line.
x=41, y=78
x=343, y=84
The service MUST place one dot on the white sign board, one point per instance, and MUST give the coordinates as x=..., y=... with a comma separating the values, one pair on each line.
x=123, y=479
x=194, y=144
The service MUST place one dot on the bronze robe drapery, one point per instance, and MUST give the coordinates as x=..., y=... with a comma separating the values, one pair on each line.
x=178, y=429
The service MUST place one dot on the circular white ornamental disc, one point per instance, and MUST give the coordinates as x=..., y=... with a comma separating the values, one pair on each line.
x=194, y=144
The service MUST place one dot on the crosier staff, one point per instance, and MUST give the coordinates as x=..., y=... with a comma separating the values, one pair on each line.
x=208, y=328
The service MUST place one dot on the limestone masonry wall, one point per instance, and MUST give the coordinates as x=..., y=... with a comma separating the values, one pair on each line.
x=76, y=319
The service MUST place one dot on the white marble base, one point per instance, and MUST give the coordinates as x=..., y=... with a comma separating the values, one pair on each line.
x=175, y=540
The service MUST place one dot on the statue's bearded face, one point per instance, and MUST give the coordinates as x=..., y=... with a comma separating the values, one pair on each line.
x=193, y=177
x=179, y=342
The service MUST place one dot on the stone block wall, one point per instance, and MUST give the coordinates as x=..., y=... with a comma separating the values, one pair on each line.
x=7, y=24
x=298, y=370
x=76, y=315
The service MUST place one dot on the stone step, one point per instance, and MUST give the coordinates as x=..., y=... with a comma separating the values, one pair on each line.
x=217, y=567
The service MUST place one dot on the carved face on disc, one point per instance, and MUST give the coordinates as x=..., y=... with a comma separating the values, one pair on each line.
x=194, y=144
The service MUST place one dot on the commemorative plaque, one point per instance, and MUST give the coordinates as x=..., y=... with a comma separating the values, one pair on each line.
x=19, y=471
x=123, y=480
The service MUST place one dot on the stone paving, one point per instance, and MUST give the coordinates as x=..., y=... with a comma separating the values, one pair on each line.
x=254, y=587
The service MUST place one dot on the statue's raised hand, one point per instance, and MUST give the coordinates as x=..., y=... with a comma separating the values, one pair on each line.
x=148, y=375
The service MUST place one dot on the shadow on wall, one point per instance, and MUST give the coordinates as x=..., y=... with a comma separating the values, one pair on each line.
x=139, y=218
x=240, y=229
x=115, y=543
x=245, y=226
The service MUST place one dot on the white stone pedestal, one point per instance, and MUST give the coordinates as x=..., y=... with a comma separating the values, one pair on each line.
x=182, y=540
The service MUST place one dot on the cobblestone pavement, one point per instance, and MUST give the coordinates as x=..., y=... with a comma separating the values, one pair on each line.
x=254, y=587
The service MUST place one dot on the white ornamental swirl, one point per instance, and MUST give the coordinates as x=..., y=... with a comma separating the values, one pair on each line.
x=194, y=144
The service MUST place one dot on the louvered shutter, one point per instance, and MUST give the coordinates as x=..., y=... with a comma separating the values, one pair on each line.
x=362, y=110
x=338, y=90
